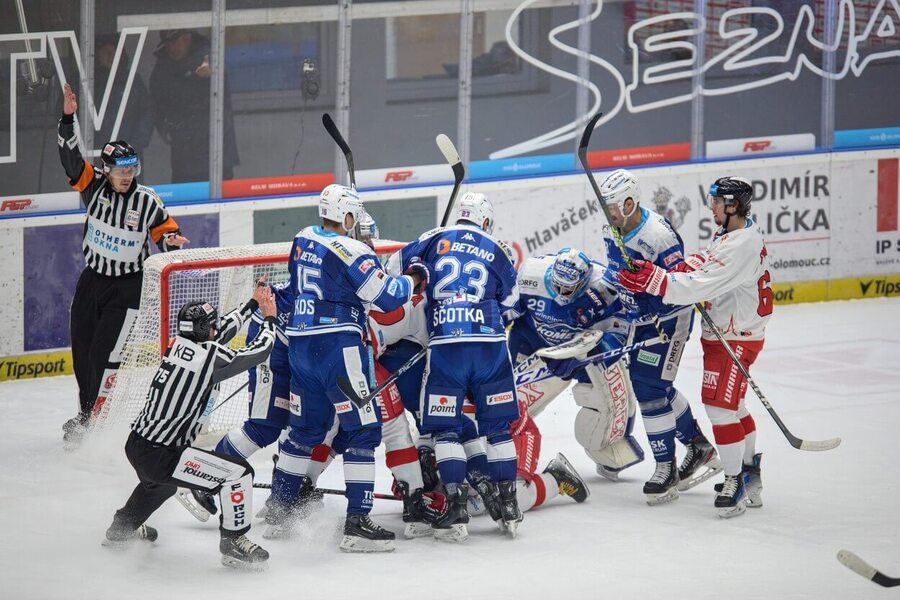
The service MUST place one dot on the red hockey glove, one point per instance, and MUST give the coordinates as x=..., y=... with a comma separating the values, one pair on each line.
x=691, y=263
x=648, y=278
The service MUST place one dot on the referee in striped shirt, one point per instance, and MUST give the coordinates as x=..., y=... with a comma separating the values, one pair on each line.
x=121, y=216
x=159, y=445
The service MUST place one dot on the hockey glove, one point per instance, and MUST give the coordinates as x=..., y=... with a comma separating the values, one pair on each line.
x=691, y=263
x=609, y=342
x=564, y=367
x=648, y=278
x=421, y=271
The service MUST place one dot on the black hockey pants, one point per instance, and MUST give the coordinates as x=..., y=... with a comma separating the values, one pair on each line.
x=98, y=327
x=155, y=465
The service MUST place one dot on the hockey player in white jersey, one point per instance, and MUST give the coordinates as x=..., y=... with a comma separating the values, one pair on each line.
x=731, y=276
x=665, y=411
x=563, y=295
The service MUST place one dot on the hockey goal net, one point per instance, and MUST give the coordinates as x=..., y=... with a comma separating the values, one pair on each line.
x=222, y=276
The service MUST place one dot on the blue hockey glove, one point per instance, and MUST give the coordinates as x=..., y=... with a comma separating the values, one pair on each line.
x=563, y=368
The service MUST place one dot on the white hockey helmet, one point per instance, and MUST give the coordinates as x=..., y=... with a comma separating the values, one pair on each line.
x=336, y=201
x=475, y=208
x=570, y=274
x=368, y=229
x=619, y=186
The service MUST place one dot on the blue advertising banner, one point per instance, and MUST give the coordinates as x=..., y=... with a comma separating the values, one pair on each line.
x=528, y=166
x=53, y=261
x=865, y=138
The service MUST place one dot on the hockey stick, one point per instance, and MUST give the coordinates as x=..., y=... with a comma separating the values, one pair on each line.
x=528, y=364
x=812, y=445
x=459, y=171
x=268, y=486
x=858, y=565
x=347, y=388
x=616, y=234
x=232, y=395
x=342, y=143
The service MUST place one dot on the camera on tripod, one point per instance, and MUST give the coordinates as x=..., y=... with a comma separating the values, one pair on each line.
x=310, y=82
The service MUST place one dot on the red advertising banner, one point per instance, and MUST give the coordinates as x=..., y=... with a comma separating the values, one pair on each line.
x=887, y=194
x=643, y=155
x=273, y=186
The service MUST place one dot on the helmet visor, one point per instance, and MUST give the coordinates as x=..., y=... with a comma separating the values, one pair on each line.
x=126, y=166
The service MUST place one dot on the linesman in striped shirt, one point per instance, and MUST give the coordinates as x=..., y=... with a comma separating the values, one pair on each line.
x=159, y=445
x=121, y=216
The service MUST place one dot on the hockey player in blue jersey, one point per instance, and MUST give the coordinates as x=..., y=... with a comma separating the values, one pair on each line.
x=563, y=295
x=666, y=412
x=472, y=296
x=334, y=279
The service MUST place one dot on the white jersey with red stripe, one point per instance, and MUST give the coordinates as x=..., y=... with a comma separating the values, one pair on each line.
x=734, y=282
x=404, y=323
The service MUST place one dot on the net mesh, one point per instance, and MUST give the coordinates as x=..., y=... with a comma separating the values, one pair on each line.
x=222, y=276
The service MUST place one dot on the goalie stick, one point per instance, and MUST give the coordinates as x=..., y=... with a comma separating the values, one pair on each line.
x=342, y=143
x=459, y=172
x=268, y=486
x=858, y=565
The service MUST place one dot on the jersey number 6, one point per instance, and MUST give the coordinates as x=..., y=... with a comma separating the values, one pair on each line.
x=766, y=295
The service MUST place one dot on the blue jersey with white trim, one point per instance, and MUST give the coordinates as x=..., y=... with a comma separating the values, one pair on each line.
x=594, y=307
x=284, y=305
x=334, y=281
x=473, y=292
x=653, y=240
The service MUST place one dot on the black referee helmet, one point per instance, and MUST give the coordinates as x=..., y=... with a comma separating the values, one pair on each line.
x=196, y=319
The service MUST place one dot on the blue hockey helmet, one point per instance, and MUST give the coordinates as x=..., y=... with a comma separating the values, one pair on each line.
x=570, y=274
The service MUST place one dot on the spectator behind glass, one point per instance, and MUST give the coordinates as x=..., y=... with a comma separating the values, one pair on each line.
x=179, y=86
x=137, y=122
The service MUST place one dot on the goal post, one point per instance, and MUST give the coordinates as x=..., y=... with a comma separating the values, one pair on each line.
x=223, y=276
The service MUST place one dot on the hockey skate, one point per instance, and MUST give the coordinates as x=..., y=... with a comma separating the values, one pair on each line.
x=362, y=534
x=282, y=516
x=452, y=526
x=752, y=482
x=700, y=463
x=119, y=535
x=238, y=552
x=608, y=473
x=731, y=499
x=199, y=503
x=428, y=464
x=570, y=482
x=663, y=486
x=490, y=497
x=420, y=510
x=509, y=507
x=74, y=431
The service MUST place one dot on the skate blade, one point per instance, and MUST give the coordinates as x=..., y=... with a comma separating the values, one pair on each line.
x=417, y=530
x=353, y=543
x=115, y=544
x=240, y=565
x=512, y=528
x=261, y=513
x=664, y=498
x=454, y=534
x=712, y=468
x=732, y=511
x=754, y=500
x=186, y=499
x=607, y=473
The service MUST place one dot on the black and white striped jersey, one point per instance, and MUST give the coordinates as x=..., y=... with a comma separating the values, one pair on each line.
x=176, y=402
x=118, y=226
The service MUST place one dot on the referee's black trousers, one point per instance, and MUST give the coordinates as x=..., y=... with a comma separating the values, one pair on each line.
x=99, y=309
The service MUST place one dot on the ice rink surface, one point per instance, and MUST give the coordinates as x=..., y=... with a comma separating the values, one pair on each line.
x=829, y=369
